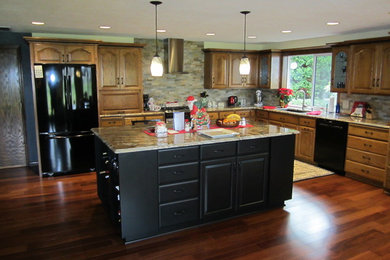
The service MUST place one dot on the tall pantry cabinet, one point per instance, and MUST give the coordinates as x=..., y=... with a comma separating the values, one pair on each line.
x=120, y=81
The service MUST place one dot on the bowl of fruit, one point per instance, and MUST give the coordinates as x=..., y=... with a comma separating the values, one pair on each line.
x=231, y=120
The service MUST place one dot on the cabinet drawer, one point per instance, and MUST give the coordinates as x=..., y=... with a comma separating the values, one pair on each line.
x=213, y=115
x=128, y=120
x=366, y=171
x=244, y=113
x=182, y=191
x=179, y=213
x=367, y=145
x=161, y=118
x=261, y=114
x=212, y=151
x=179, y=155
x=375, y=133
x=253, y=146
x=304, y=121
x=224, y=114
x=175, y=173
x=104, y=122
x=366, y=158
x=283, y=118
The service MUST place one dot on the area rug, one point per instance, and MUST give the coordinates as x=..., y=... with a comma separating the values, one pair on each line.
x=304, y=171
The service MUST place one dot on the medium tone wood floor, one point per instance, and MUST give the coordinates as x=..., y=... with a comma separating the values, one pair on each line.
x=331, y=217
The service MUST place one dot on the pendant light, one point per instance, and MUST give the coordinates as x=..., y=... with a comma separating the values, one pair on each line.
x=245, y=66
x=156, y=67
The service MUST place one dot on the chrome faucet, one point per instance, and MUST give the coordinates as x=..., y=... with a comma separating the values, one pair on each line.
x=304, y=96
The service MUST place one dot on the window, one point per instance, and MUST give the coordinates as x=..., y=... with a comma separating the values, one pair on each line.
x=310, y=74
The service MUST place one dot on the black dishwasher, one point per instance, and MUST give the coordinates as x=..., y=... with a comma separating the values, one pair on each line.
x=330, y=145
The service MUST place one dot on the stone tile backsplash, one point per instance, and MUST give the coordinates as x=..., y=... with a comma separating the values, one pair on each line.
x=176, y=86
x=379, y=104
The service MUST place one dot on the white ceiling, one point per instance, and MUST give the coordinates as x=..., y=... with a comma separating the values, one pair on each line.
x=191, y=20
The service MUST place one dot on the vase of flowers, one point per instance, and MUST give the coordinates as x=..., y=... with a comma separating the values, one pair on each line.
x=285, y=96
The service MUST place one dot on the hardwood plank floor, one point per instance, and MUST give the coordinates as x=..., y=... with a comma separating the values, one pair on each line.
x=331, y=217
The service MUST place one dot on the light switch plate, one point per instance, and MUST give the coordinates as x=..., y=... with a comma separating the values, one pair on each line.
x=345, y=104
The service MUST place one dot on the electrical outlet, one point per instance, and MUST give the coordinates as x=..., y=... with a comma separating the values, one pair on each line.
x=345, y=104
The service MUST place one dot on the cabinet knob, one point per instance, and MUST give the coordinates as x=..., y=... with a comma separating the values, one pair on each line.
x=377, y=82
x=118, y=82
x=122, y=80
x=213, y=80
x=63, y=58
x=373, y=83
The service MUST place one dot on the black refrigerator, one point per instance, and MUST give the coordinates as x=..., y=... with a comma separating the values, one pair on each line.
x=66, y=102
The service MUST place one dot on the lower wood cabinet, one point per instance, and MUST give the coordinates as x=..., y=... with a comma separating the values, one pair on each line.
x=366, y=154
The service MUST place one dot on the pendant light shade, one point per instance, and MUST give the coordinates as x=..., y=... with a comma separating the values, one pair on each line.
x=156, y=67
x=245, y=66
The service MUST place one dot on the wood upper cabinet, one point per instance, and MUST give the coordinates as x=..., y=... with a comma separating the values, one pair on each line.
x=216, y=70
x=239, y=81
x=120, y=67
x=363, y=78
x=64, y=53
x=221, y=70
x=370, y=66
x=383, y=69
x=269, y=69
x=340, y=68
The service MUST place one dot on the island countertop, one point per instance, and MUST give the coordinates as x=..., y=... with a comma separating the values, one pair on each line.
x=126, y=139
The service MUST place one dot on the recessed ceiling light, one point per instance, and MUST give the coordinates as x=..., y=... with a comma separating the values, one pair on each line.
x=332, y=23
x=104, y=27
x=37, y=23
x=210, y=34
x=286, y=31
x=252, y=36
x=161, y=30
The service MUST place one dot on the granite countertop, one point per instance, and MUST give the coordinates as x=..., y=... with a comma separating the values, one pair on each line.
x=145, y=113
x=339, y=117
x=126, y=139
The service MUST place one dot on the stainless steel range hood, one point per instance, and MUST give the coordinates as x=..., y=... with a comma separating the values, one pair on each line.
x=174, y=55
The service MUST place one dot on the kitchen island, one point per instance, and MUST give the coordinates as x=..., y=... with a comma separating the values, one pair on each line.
x=151, y=186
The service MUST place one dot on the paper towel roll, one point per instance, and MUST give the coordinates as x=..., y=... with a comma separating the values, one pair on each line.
x=331, y=105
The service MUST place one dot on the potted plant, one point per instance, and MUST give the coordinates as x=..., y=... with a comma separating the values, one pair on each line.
x=285, y=96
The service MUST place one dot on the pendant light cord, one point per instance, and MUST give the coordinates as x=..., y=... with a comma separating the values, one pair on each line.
x=156, y=27
x=245, y=34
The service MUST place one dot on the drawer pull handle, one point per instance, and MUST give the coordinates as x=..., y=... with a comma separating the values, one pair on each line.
x=178, y=190
x=177, y=172
x=367, y=145
x=252, y=146
x=103, y=172
x=368, y=132
x=218, y=151
x=176, y=156
x=366, y=157
x=179, y=213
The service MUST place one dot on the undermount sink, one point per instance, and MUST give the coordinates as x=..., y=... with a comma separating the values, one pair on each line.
x=297, y=110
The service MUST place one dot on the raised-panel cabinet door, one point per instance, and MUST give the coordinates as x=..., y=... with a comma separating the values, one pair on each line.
x=251, y=181
x=220, y=70
x=306, y=143
x=81, y=54
x=130, y=65
x=363, y=68
x=236, y=80
x=109, y=67
x=218, y=187
x=383, y=70
x=49, y=53
x=253, y=77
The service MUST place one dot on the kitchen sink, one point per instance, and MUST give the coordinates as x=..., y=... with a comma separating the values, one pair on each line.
x=297, y=110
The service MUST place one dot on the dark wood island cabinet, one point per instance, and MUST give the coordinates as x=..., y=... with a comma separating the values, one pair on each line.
x=151, y=186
